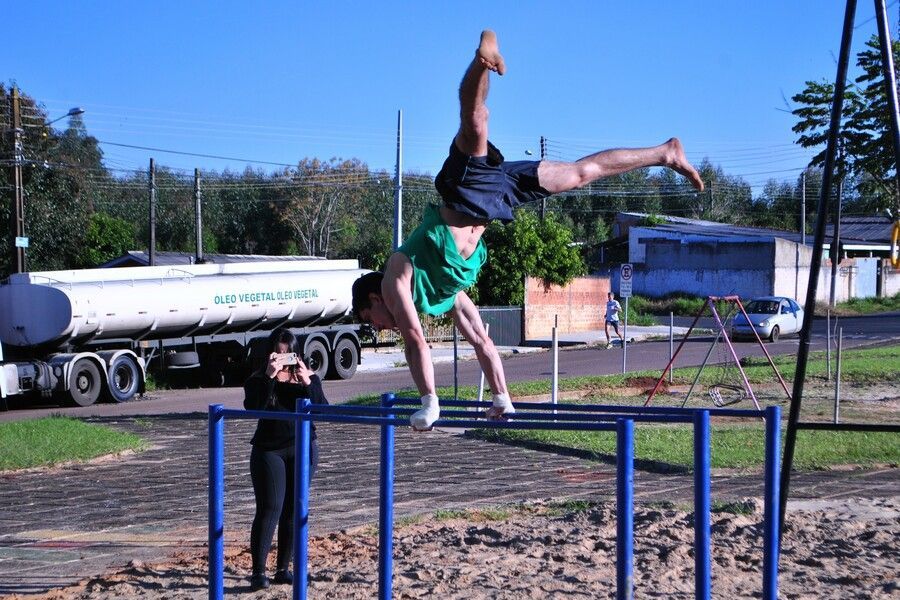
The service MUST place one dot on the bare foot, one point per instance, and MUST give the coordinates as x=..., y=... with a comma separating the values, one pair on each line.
x=678, y=162
x=489, y=53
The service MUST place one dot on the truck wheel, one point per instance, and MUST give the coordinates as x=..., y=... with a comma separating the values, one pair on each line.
x=84, y=382
x=316, y=358
x=123, y=379
x=345, y=360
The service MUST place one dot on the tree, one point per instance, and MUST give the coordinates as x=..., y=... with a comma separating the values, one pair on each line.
x=526, y=247
x=318, y=194
x=106, y=238
x=866, y=156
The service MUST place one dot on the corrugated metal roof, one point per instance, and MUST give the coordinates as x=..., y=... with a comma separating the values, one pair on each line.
x=165, y=258
x=866, y=229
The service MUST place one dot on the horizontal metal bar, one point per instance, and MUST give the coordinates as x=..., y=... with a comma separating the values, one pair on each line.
x=713, y=412
x=886, y=427
x=520, y=415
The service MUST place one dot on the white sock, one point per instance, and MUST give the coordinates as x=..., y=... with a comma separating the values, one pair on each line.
x=425, y=417
x=503, y=401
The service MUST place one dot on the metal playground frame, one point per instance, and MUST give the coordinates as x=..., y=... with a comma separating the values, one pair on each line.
x=394, y=412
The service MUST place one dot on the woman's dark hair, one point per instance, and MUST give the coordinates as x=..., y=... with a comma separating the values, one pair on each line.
x=283, y=335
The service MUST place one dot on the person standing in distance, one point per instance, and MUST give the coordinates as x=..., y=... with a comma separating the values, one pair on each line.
x=613, y=308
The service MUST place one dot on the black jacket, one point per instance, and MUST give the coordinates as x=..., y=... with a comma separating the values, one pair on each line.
x=265, y=393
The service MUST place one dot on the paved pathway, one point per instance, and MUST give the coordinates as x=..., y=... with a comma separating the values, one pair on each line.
x=67, y=523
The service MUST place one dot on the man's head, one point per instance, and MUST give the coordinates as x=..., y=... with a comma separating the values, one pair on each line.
x=610, y=296
x=368, y=303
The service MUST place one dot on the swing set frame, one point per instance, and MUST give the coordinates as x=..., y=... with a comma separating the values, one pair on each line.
x=733, y=302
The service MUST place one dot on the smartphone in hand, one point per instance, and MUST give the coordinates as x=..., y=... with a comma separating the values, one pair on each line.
x=288, y=358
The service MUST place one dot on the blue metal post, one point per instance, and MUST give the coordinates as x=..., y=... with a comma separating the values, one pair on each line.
x=216, y=501
x=702, y=559
x=302, y=435
x=624, y=509
x=771, y=518
x=386, y=508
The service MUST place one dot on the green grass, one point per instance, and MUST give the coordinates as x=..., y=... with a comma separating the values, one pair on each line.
x=861, y=365
x=52, y=440
x=667, y=448
x=864, y=306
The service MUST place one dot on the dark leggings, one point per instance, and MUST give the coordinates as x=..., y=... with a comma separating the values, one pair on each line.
x=272, y=472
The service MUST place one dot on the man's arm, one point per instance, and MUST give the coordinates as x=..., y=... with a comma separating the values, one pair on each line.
x=396, y=289
x=468, y=321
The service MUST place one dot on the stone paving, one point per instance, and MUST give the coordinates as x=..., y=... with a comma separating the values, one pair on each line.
x=62, y=524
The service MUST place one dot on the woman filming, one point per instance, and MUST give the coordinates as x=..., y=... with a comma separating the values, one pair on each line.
x=276, y=387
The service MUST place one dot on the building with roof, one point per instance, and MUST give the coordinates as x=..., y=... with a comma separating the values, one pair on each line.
x=705, y=258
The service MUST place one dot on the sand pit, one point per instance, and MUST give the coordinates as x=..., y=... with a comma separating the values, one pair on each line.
x=832, y=549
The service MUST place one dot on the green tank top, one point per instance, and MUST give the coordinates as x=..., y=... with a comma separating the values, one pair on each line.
x=439, y=272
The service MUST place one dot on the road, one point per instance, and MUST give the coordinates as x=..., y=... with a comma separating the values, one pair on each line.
x=575, y=361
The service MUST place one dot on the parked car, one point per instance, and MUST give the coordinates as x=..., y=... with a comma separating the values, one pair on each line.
x=771, y=316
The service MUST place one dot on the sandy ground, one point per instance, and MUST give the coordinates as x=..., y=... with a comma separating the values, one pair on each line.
x=832, y=549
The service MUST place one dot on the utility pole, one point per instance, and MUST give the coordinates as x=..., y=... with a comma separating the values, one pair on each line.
x=836, y=241
x=152, y=189
x=20, y=242
x=398, y=185
x=199, y=217
x=543, y=156
x=803, y=208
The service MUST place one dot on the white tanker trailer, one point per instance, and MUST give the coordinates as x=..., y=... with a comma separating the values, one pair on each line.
x=75, y=333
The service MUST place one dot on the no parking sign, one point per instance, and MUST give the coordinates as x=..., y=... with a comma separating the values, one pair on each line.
x=625, y=274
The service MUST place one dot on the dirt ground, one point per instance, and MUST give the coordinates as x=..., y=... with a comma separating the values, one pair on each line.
x=832, y=549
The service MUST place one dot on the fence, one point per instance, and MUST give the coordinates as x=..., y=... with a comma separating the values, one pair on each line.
x=394, y=412
x=505, y=322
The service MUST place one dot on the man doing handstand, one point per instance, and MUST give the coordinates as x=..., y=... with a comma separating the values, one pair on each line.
x=430, y=272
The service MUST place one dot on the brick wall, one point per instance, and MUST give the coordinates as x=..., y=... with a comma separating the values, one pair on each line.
x=579, y=305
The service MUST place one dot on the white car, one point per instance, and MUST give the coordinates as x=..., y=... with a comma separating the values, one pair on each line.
x=771, y=316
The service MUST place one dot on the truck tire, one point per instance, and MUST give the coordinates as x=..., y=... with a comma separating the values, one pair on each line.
x=85, y=383
x=345, y=359
x=184, y=360
x=316, y=358
x=123, y=379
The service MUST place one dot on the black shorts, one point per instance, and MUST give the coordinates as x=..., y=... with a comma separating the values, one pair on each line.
x=615, y=325
x=487, y=187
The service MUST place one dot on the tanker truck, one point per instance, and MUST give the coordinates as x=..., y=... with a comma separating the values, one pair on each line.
x=82, y=335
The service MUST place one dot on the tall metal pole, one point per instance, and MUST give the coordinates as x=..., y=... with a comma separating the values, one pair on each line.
x=398, y=185
x=816, y=262
x=151, y=252
x=543, y=156
x=199, y=217
x=890, y=85
x=836, y=244
x=803, y=208
x=18, y=213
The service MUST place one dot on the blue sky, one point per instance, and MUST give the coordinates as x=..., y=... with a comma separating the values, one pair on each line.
x=279, y=81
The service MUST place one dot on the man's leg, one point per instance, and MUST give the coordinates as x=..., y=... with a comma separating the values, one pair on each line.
x=468, y=321
x=558, y=177
x=473, y=113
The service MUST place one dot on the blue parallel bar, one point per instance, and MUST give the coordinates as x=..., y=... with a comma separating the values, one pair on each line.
x=702, y=559
x=624, y=509
x=386, y=508
x=520, y=415
x=302, y=437
x=666, y=410
x=216, y=501
x=771, y=517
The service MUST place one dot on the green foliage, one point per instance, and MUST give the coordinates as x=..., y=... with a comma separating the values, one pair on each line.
x=866, y=159
x=526, y=247
x=106, y=238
